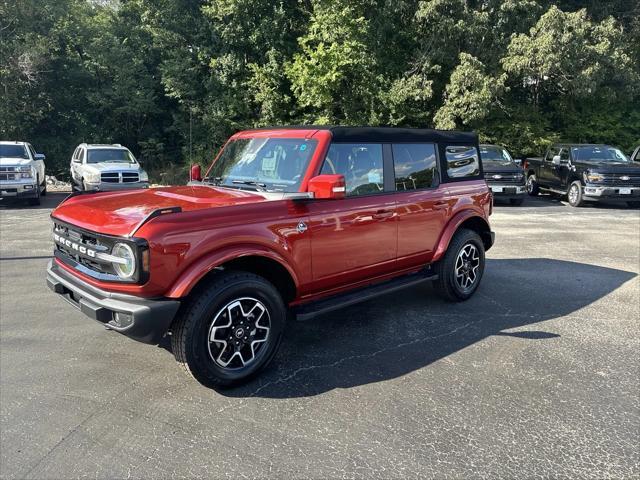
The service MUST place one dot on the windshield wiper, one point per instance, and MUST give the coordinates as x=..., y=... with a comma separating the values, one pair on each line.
x=261, y=187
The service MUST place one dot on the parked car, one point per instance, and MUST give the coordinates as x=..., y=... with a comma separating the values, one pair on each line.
x=298, y=221
x=635, y=156
x=503, y=175
x=22, y=173
x=584, y=172
x=106, y=167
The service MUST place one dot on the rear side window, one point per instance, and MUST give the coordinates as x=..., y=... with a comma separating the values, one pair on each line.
x=361, y=165
x=462, y=161
x=415, y=165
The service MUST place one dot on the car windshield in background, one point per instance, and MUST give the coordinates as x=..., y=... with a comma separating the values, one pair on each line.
x=495, y=155
x=598, y=153
x=13, y=151
x=112, y=155
x=273, y=164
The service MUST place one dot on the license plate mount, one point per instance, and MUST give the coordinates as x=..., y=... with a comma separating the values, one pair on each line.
x=624, y=191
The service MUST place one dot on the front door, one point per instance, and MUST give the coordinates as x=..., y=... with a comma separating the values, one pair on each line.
x=354, y=238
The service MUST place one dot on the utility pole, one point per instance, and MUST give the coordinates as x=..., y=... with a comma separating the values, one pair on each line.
x=190, y=141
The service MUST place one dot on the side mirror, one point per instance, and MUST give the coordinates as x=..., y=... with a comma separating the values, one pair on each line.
x=196, y=173
x=328, y=186
x=40, y=156
x=556, y=160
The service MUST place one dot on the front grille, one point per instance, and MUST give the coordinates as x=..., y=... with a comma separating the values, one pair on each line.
x=129, y=177
x=82, y=239
x=616, y=179
x=8, y=173
x=111, y=177
x=515, y=178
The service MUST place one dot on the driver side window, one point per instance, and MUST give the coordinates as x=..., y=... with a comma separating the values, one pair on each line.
x=564, y=155
x=360, y=163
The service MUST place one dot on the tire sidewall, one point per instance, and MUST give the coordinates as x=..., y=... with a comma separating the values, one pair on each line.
x=578, y=201
x=468, y=238
x=202, y=365
x=532, y=185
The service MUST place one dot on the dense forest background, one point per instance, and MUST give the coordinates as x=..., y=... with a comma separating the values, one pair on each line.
x=171, y=79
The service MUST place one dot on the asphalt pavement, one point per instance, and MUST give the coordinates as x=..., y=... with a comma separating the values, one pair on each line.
x=538, y=375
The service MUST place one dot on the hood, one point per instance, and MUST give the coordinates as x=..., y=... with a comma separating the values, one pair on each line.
x=119, y=213
x=11, y=162
x=113, y=167
x=610, y=167
x=495, y=167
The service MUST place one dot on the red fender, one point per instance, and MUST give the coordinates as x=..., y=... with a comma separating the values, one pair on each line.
x=451, y=228
x=198, y=269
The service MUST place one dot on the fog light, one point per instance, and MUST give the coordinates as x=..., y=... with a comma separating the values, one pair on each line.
x=28, y=187
x=122, y=320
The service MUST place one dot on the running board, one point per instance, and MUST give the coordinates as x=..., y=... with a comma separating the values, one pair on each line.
x=336, y=302
x=554, y=190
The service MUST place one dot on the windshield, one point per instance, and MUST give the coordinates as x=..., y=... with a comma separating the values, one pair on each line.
x=112, y=155
x=13, y=151
x=598, y=153
x=497, y=155
x=273, y=164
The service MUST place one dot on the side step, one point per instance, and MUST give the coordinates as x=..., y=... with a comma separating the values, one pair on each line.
x=554, y=190
x=312, y=310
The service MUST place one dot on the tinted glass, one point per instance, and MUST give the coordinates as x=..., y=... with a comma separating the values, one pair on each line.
x=495, y=155
x=462, y=161
x=598, y=153
x=361, y=165
x=415, y=165
x=274, y=164
x=13, y=151
x=109, y=155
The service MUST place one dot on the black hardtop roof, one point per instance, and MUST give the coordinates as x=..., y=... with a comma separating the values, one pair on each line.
x=387, y=134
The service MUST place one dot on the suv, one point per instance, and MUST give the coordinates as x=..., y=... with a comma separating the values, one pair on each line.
x=504, y=177
x=22, y=173
x=585, y=172
x=106, y=167
x=287, y=222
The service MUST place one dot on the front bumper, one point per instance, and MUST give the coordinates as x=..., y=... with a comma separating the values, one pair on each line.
x=145, y=320
x=507, y=190
x=596, y=192
x=18, y=190
x=110, y=187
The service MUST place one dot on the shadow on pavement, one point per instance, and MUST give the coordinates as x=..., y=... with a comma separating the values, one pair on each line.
x=48, y=202
x=406, y=331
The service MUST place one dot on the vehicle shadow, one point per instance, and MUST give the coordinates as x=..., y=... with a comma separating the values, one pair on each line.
x=48, y=202
x=400, y=333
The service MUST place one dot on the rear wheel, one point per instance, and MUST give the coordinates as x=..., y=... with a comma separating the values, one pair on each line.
x=533, y=188
x=461, y=268
x=230, y=330
x=574, y=195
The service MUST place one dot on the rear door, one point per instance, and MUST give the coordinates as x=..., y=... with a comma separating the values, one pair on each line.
x=547, y=168
x=355, y=238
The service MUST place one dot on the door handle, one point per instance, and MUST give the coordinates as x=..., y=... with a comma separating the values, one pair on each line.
x=381, y=214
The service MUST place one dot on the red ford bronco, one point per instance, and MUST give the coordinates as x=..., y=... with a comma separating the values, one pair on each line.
x=287, y=223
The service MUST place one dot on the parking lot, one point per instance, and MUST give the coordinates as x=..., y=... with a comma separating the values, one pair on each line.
x=536, y=376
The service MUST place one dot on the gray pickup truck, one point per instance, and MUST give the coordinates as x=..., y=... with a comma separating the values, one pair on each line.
x=584, y=172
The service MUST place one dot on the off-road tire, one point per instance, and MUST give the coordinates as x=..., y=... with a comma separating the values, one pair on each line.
x=516, y=201
x=446, y=285
x=190, y=331
x=533, y=189
x=575, y=194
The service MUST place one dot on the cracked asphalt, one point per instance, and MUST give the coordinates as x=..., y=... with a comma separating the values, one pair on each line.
x=537, y=376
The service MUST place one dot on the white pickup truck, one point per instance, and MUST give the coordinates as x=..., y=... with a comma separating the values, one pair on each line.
x=106, y=167
x=22, y=173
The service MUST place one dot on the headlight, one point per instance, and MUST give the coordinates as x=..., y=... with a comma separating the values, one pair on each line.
x=592, y=177
x=125, y=267
x=25, y=172
x=92, y=177
x=144, y=177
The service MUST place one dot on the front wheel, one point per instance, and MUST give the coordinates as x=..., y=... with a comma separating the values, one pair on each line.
x=461, y=268
x=533, y=189
x=230, y=330
x=574, y=195
x=36, y=201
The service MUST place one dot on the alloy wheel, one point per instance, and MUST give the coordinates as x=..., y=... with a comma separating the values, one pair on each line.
x=573, y=194
x=238, y=333
x=466, y=267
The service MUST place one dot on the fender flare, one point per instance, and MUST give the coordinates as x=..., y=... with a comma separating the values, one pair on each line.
x=452, y=227
x=208, y=262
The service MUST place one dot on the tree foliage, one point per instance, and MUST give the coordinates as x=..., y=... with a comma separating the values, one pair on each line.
x=162, y=76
